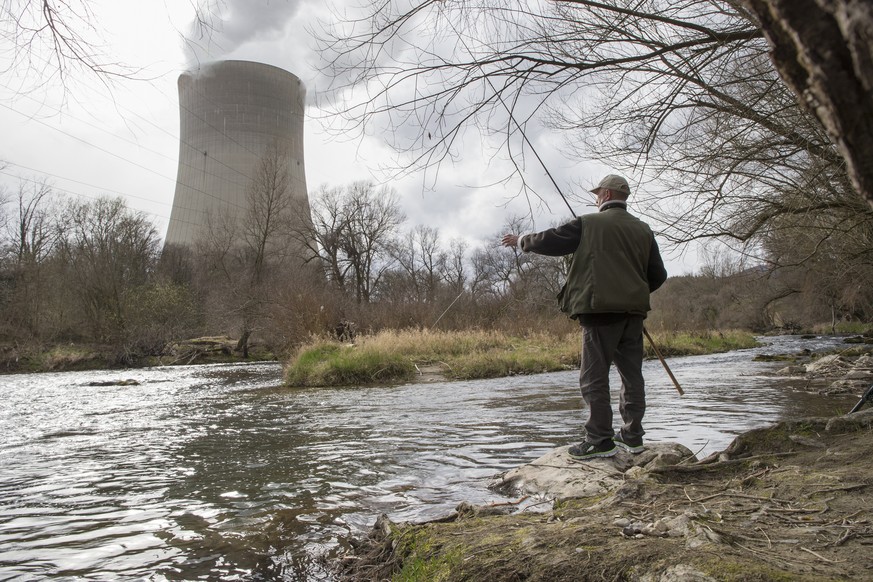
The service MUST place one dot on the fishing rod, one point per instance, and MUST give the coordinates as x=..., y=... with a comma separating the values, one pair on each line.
x=554, y=183
x=867, y=397
x=663, y=362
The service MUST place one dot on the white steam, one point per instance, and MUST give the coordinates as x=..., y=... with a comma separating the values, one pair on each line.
x=224, y=27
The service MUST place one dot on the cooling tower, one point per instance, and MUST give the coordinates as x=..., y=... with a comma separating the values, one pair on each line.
x=233, y=115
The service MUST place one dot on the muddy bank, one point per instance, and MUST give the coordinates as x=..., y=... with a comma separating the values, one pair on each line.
x=788, y=502
x=66, y=357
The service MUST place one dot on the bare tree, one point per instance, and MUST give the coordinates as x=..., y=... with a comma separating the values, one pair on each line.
x=272, y=212
x=55, y=40
x=373, y=218
x=4, y=216
x=683, y=96
x=33, y=232
x=252, y=254
x=499, y=65
x=421, y=258
x=352, y=232
x=106, y=251
x=84, y=271
x=31, y=236
x=325, y=238
x=454, y=269
x=62, y=39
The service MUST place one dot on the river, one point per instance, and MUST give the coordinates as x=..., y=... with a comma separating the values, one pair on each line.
x=219, y=472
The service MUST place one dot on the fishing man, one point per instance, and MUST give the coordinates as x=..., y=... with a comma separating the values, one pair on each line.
x=616, y=264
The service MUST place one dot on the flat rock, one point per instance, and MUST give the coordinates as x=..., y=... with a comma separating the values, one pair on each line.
x=556, y=475
x=677, y=573
x=828, y=364
x=864, y=362
x=863, y=419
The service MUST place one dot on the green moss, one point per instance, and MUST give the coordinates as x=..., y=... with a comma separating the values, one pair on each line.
x=422, y=559
x=845, y=327
x=432, y=569
x=508, y=363
x=71, y=358
x=748, y=571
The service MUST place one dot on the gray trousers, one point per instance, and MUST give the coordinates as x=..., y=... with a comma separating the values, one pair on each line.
x=602, y=345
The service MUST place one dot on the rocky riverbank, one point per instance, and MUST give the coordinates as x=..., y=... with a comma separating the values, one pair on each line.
x=788, y=502
x=847, y=371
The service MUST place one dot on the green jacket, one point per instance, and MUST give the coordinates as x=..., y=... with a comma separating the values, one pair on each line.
x=616, y=262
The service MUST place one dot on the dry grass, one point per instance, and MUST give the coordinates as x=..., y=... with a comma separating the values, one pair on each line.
x=392, y=355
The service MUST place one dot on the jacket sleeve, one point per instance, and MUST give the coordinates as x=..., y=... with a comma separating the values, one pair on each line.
x=554, y=242
x=655, y=272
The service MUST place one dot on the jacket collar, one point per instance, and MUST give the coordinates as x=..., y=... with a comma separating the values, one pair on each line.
x=613, y=204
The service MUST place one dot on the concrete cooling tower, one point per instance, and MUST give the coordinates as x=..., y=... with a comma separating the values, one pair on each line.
x=233, y=114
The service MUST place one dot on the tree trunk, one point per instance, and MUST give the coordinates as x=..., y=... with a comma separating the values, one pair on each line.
x=243, y=344
x=823, y=49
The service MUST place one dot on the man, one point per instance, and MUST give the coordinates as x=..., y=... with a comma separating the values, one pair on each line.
x=616, y=264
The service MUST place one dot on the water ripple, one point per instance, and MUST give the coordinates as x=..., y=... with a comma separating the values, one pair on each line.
x=218, y=472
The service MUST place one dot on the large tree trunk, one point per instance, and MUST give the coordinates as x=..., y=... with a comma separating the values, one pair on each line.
x=823, y=49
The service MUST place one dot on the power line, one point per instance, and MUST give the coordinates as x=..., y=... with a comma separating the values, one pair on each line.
x=156, y=152
x=79, y=139
x=122, y=158
x=230, y=203
x=80, y=194
x=44, y=173
x=205, y=213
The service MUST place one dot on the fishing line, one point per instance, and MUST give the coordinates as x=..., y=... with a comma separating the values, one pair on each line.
x=549, y=174
x=511, y=116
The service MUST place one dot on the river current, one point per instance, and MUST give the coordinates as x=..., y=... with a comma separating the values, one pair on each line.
x=218, y=472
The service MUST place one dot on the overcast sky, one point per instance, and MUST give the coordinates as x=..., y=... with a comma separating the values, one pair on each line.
x=121, y=139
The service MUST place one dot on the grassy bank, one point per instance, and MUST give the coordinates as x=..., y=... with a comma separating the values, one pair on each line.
x=62, y=357
x=399, y=356
x=700, y=343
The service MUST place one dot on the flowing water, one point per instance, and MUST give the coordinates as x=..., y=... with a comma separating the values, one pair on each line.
x=218, y=472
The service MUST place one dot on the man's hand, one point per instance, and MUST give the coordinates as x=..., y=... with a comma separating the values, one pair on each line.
x=510, y=240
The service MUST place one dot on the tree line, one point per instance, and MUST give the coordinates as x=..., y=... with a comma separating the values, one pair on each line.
x=95, y=272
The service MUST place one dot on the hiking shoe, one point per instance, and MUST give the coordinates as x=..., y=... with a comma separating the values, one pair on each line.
x=631, y=445
x=585, y=450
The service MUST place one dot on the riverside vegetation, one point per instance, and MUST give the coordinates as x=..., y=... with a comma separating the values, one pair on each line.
x=788, y=502
x=77, y=356
x=99, y=291
x=401, y=356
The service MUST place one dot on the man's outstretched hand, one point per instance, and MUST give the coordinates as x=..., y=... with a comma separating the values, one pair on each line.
x=510, y=240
